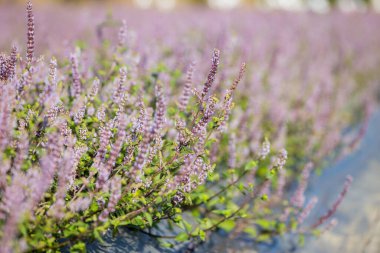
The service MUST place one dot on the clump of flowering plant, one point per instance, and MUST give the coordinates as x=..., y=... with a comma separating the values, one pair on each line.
x=89, y=144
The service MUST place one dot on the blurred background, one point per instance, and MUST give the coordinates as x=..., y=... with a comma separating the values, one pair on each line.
x=293, y=5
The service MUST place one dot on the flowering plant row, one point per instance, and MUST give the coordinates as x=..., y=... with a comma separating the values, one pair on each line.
x=115, y=135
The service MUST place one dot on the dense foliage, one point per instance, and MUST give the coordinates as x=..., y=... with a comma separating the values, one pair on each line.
x=142, y=131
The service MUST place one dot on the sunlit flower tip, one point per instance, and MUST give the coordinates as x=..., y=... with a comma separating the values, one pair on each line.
x=265, y=149
x=281, y=158
x=83, y=133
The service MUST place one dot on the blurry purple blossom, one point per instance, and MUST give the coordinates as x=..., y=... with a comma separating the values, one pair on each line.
x=298, y=198
x=336, y=204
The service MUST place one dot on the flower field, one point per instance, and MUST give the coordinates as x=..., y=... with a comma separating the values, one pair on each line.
x=194, y=120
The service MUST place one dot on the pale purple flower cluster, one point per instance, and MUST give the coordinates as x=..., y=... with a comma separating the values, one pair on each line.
x=54, y=111
x=104, y=138
x=182, y=137
x=280, y=159
x=22, y=147
x=115, y=195
x=186, y=93
x=201, y=125
x=7, y=101
x=8, y=65
x=77, y=86
x=94, y=89
x=80, y=204
x=120, y=87
x=306, y=211
x=53, y=72
x=51, y=82
x=78, y=116
x=159, y=116
x=65, y=132
x=143, y=147
x=265, y=149
x=30, y=35
x=116, y=147
x=101, y=113
x=298, y=199
x=193, y=173
x=211, y=76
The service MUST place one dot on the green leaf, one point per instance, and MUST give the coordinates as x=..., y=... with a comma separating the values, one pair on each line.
x=265, y=224
x=187, y=225
x=213, y=177
x=94, y=206
x=227, y=225
x=23, y=229
x=250, y=165
x=225, y=213
x=202, y=235
x=148, y=218
x=181, y=237
x=97, y=235
x=263, y=238
x=251, y=231
x=138, y=221
x=281, y=227
x=206, y=223
x=158, y=200
x=177, y=218
x=78, y=247
x=165, y=244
